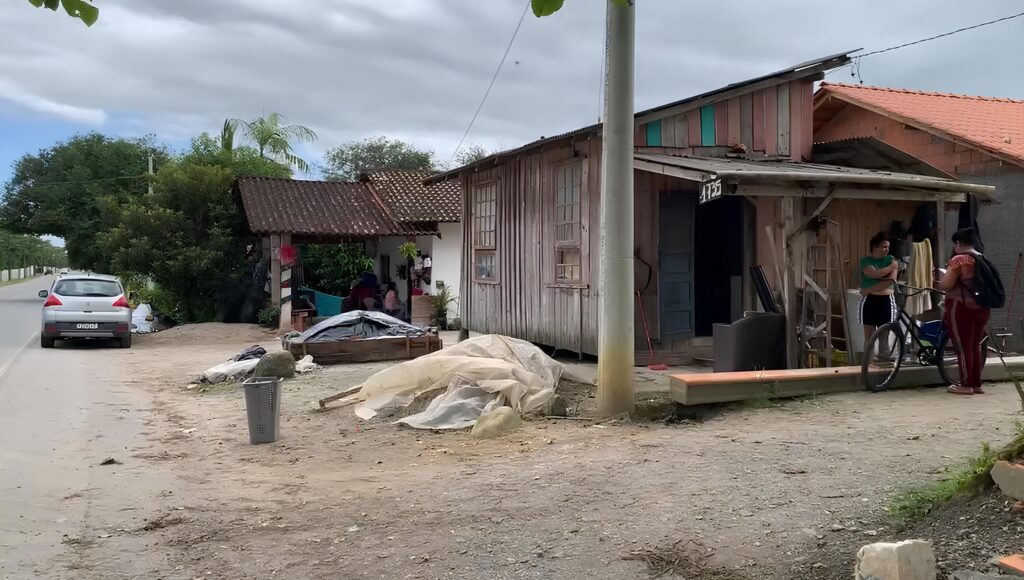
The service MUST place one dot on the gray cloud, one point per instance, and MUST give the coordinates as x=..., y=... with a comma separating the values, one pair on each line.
x=416, y=69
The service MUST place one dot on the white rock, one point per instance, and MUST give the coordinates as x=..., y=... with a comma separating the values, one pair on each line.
x=495, y=423
x=1009, y=478
x=909, y=560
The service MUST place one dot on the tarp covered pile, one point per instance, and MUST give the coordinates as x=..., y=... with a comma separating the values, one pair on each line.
x=361, y=324
x=477, y=375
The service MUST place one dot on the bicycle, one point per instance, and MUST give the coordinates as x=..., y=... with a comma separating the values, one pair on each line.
x=934, y=348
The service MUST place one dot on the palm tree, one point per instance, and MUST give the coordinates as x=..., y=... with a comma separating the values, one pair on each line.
x=273, y=139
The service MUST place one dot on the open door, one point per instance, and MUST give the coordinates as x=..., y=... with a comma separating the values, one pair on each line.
x=675, y=264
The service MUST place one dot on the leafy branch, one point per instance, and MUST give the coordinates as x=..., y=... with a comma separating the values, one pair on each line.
x=80, y=9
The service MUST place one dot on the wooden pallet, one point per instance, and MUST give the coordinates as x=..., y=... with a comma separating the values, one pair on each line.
x=367, y=350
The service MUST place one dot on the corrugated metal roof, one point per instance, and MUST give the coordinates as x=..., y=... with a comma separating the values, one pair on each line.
x=409, y=200
x=707, y=168
x=810, y=67
x=319, y=208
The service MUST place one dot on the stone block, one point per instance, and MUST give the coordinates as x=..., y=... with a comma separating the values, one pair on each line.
x=1010, y=479
x=909, y=560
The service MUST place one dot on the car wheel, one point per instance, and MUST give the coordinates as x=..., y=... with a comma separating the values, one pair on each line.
x=47, y=341
x=126, y=341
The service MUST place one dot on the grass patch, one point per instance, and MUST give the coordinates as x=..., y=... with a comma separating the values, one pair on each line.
x=964, y=481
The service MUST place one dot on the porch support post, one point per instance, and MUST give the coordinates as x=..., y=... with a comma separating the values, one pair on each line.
x=792, y=248
x=941, y=255
x=275, y=270
x=286, y=288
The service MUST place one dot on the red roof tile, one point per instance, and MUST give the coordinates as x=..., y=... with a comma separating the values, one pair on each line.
x=319, y=208
x=991, y=124
x=409, y=200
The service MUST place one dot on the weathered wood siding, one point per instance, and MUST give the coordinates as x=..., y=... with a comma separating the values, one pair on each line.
x=525, y=301
x=772, y=121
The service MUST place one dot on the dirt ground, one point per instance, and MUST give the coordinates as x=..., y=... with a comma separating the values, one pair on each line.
x=745, y=493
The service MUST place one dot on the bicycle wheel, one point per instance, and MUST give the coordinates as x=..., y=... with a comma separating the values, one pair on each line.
x=883, y=356
x=949, y=367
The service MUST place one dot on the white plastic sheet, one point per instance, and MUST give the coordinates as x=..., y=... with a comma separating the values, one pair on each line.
x=231, y=370
x=142, y=319
x=479, y=374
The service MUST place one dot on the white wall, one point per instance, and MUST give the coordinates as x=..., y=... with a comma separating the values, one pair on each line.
x=447, y=262
x=445, y=255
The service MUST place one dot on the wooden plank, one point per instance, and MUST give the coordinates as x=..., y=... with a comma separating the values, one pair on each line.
x=682, y=130
x=654, y=133
x=758, y=120
x=698, y=389
x=798, y=134
x=707, y=126
x=722, y=123
x=790, y=251
x=693, y=127
x=747, y=121
x=771, y=121
x=734, y=122
x=356, y=351
x=783, y=115
x=668, y=132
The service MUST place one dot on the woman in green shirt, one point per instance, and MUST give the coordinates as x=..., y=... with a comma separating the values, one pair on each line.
x=877, y=276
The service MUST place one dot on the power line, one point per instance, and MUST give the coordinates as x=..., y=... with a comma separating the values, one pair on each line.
x=943, y=35
x=83, y=181
x=855, y=65
x=493, y=79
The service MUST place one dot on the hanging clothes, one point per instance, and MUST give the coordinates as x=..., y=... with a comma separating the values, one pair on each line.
x=968, y=218
x=921, y=268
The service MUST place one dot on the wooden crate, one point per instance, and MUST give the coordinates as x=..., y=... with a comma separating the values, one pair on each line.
x=367, y=350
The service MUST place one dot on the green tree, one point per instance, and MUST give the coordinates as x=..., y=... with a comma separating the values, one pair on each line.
x=189, y=235
x=331, y=268
x=272, y=138
x=241, y=161
x=20, y=251
x=349, y=161
x=469, y=155
x=75, y=189
x=80, y=9
x=185, y=236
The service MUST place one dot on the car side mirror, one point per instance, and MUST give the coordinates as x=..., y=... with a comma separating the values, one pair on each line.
x=43, y=293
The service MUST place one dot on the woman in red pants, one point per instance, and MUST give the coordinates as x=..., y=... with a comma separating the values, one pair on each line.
x=965, y=319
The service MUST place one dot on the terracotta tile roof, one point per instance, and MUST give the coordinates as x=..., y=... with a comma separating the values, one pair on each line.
x=409, y=200
x=991, y=124
x=319, y=208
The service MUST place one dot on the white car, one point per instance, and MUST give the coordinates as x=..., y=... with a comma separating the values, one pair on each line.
x=86, y=306
x=64, y=272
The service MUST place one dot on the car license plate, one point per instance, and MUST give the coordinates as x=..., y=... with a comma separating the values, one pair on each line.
x=87, y=326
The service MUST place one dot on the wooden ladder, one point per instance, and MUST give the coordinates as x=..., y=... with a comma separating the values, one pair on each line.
x=824, y=285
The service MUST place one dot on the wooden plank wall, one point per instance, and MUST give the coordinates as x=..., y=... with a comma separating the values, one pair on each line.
x=772, y=121
x=525, y=302
x=858, y=220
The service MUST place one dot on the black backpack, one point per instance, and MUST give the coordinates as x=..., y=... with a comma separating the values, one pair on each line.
x=988, y=287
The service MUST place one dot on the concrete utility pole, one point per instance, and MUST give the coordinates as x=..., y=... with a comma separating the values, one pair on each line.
x=615, y=390
x=150, y=179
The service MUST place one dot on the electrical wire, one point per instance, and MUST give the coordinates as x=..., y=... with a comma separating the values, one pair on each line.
x=854, y=66
x=83, y=181
x=493, y=79
x=943, y=35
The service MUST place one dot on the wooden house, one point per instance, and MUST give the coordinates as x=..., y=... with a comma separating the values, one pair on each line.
x=974, y=139
x=532, y=215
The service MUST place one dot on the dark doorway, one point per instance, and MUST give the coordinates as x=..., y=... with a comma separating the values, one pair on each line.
x=718, y=263
x=675, y=264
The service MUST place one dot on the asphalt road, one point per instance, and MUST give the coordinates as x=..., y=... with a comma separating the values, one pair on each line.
x=62, y=412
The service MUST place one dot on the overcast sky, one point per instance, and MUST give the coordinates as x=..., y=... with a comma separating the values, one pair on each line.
x=416, y=69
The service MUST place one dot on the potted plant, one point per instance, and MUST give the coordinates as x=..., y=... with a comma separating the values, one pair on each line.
x=441, y=301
